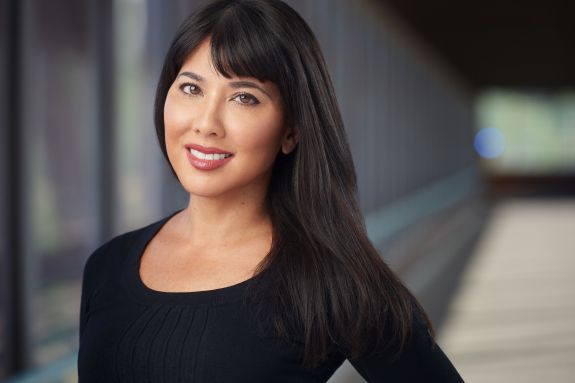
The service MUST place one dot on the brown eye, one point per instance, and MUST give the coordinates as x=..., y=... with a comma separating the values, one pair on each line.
x=247, y=99
x=189, y=88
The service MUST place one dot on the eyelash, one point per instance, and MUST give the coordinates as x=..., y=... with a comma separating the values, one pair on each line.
x=254, y=99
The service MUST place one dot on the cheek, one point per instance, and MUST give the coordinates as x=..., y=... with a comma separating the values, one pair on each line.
x=261, y=134
x=175, y=119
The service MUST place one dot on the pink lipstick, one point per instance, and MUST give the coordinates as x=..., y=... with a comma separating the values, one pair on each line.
x=203, y=158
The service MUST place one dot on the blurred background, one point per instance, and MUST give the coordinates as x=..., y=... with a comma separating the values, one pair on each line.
x=461, y=118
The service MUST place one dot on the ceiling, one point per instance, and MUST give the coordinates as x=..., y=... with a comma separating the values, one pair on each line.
x=502, y=43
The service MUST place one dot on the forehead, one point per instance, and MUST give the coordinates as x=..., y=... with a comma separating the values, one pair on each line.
x=201, y=60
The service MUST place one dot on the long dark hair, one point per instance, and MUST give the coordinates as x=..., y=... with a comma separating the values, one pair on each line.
x=325, y=285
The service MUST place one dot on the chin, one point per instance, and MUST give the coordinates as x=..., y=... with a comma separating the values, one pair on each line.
x=202, y=187
x=201, y=190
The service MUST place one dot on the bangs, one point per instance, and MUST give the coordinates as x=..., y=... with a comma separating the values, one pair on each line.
x=243, y=45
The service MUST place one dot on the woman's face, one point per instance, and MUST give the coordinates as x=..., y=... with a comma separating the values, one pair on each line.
x=241, y=116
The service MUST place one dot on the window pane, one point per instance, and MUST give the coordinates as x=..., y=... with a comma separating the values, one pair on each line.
x=58, y=152
x=139, y=159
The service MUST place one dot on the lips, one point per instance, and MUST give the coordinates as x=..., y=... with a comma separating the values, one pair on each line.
x=203, y=158
x=206, y=150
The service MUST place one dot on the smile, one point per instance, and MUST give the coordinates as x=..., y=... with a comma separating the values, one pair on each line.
x=203, y=161
x=212, y=156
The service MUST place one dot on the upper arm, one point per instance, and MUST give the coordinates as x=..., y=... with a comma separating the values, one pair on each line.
x=84, y=298
x=89, y=274
x=422, y=360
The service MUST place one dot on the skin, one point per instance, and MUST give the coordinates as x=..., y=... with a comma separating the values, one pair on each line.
x=225, y=230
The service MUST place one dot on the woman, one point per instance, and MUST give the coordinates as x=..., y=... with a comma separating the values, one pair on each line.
x=268, y=274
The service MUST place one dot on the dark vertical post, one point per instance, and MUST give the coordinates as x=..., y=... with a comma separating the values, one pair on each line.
x=4, y=96
x=16, y=336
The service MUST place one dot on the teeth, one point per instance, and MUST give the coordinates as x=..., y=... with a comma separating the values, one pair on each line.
x=213, y=156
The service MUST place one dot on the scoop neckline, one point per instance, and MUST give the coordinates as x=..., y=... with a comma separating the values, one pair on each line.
x=137, y=286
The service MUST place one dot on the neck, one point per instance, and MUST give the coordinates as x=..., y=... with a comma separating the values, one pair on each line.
x=219, y=221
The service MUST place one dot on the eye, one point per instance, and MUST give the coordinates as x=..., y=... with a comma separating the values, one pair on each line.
x=189, y=89
x=247, y=99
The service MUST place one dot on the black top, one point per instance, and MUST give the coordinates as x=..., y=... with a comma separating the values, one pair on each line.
x=131, y=333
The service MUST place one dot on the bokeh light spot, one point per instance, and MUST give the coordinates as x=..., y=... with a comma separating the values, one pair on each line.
x=489, y=143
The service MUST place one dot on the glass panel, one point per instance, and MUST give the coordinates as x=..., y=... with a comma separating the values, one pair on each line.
x=58, y=152
x=139, y=159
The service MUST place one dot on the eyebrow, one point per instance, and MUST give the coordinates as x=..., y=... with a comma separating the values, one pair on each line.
x=233, y=84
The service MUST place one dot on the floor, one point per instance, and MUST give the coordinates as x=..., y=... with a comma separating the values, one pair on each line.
x=513, y=319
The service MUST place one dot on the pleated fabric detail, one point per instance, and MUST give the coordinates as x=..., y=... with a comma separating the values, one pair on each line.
x=161, y=345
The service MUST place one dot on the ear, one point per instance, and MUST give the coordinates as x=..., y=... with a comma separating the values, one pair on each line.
x=290, y=140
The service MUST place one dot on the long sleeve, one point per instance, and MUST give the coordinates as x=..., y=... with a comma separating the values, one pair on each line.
x=89, y=277
x=422, y=360
x=84, y=298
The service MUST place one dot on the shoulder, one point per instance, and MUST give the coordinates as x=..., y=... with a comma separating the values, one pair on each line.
x=107, y=255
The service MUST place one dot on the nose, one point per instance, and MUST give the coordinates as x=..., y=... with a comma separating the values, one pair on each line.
x=208, y=119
